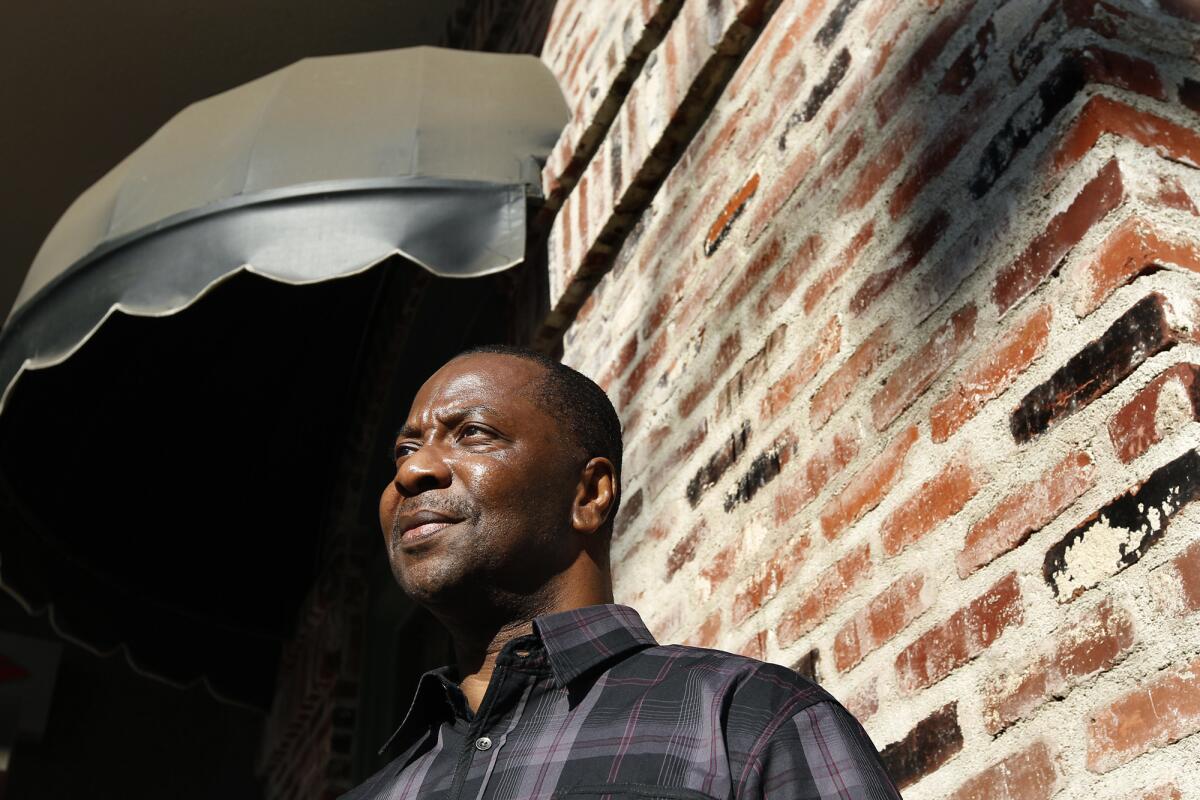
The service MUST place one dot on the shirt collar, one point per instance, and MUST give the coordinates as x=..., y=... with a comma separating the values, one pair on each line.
x=575, y=642
x=578, y=640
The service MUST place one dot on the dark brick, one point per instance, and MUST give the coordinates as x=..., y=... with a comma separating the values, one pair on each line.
x=819, y=94
x=627, y=513
x=835, y=22
x=1136, y=335
x=807, y=665
x=718, y=463
x=1052, y=96
x=964, y=69
x=1143, y=513
x=930, y=743
x=1189, y=93
x=903, y=260
x=763, y=469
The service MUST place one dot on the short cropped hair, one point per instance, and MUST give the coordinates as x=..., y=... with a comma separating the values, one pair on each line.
x=585, y=412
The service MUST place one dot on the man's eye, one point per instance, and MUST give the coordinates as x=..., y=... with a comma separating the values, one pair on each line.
x=403, y=450
x=471, y=429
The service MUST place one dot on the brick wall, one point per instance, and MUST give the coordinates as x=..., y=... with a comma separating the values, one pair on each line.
x=899, y=303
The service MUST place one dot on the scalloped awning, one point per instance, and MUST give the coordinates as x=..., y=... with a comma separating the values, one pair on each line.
x=317, y=172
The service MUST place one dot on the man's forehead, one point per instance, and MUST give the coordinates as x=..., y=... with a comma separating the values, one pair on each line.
x=484, y=379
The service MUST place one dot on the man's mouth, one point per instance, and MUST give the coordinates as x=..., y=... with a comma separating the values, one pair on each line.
x=421, y=525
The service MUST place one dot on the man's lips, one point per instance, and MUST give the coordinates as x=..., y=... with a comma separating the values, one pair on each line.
x=421, y=525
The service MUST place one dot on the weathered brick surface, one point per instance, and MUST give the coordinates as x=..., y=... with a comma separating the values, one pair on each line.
x=1096, y=199
x=1168, y=402
x=1031, y=774
x=991, y=374
x=1089, y=645
x=884, y=617
x=866, y=489
x=1119, y=534
x=937, y=500
x=818, y=602
x=1132, y=724
x=1025, y=511
x=893, y=317
x=967, y=633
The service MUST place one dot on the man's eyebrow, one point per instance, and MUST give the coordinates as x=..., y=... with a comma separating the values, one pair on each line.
x=410, y=431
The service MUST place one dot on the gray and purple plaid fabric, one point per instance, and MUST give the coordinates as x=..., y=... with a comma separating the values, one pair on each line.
x=590, y=706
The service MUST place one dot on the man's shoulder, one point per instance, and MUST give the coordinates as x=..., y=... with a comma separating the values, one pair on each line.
x=748, y=679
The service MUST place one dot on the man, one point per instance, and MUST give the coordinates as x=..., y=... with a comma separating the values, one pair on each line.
x=498, y=522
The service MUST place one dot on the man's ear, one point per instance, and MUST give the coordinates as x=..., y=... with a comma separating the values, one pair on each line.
x=594, y=496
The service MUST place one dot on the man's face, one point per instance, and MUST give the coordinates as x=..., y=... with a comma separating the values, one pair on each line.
x=482, y=496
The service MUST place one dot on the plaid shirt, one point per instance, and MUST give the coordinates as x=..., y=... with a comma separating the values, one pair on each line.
x=590, y=706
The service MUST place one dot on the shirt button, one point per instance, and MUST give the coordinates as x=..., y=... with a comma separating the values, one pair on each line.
x=483, y=743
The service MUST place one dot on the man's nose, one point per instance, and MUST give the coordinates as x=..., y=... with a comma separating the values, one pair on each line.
x=422, y=471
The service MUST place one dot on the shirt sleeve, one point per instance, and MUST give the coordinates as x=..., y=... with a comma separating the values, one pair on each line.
x=819, y=752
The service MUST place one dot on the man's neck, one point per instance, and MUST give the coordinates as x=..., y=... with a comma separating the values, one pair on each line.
x=477, y=644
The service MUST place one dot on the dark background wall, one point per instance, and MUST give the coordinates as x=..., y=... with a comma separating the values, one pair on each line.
x=113, y=733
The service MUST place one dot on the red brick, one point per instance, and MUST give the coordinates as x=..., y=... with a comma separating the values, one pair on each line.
x=933, y=503
x=1026, y=511
x=917, y=372
x=729, y=214
x=685, y=549
x=1093, y=644
x=879, y=168
x=1149, y=416
x=1169, y=193
x=709, y=632
x=1165, y=791
x=1030, y=774
x=1176, y=584
x=710, y=372
x=747, y=377
x=770, y=578
x=1125, y=71
x=718, y=569
x=1095, y=200
x=967, y=633
x=785, y=281
x=812, y=358
x=903, y=260
x=1161, y=711
x=875, y=349
x=890, y=612
x=780, y=190
x=868, y=487
x=919, y=62
x=815, y=605
x=1134, y=247
x=828, y=461
x=836, y=165
x=624, y=356
x=748, y=276
x=642, y=370
x=863, y=702
x=991, y=374
x=832, y=277
x=755, y=646
x=1103, y=115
